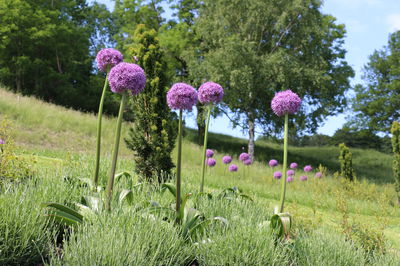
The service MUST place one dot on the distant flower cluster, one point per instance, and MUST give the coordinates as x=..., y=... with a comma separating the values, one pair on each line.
x=209, y=153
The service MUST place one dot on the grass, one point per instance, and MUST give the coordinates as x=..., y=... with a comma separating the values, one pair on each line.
x=61, y=142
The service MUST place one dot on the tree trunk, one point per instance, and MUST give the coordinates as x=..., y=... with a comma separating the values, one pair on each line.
x=201, y=124
x=250, y=123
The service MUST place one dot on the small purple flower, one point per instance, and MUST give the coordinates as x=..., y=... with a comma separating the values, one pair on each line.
x=277, y=175
x=289, y=179
x=181, y=96
x=303, y=178
x=307, y=168
x=108, y=58
x=244, y=156
x=210, y=92
x=247, y=162
x=209, y=153
x=233, y=168
x=285, y=102
x=126, y=76
x=273, y=163
x=293, y=165
x=227, y=159
x=211, y=162
x=290, y=173
x=318, y=174
x=2, y=141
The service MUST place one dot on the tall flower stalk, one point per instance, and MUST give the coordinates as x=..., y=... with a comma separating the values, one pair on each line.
x=283, y=181
x=180, y=97
x=106, y=59
x=210, y=93
x=123, y=78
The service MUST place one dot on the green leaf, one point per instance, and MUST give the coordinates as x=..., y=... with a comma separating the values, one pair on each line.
x=93, y=203
x=125, y=174
x=63, y=213
x=170, y=187
x=127, y=195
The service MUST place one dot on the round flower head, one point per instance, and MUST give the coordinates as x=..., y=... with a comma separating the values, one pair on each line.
x=181, y=96
x=233, y=168
x=211, y=162
x=247, y=162
x=108, y=58
x=127, y=77
x=307, y=168
x=303, y=178
x=277, y=175
x=273, y=163
x=2, y=141
x=209, y=153
x=289, y=179
x=244, y=156
x=227, y=159
x=318, y=174
x=293, y=165
x=210, y=92
x=290, y=173
x=285, y=102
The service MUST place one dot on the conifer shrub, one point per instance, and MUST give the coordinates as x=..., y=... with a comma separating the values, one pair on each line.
x=395, y=130
x=346, y=163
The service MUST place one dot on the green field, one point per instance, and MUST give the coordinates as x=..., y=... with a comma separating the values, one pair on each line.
x=60, y=145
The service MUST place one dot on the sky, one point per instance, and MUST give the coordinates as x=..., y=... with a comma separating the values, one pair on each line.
x=368, y=24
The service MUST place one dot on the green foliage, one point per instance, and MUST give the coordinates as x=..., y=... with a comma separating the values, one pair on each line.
x=346, y=163
x=377, y=102
x=395, y=130
x=153, y=135
x=360, y=138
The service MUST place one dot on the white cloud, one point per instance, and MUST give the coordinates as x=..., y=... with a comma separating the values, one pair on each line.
x=393, y=20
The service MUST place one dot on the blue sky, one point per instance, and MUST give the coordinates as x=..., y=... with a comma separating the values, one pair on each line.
x=368, y=24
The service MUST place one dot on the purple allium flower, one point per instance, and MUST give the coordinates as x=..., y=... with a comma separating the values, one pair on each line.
x=126, y=76
x=227, y=159
x=181, y=96
x=244, y=156
x=318, y=174
x=285, y=102
x=290, y=173
x=293, y=165
x=247, y=162
x=289, y=179
x=273, y=163
x=307, y=168
x=2, y=141
x=277, y=175
x=211, y=162
x=303, y=178
x=233, y=168
x=210, y=92
x=108, y=58
x=209, y=153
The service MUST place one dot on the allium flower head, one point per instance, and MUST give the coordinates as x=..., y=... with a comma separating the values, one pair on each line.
x=2, y=141
x=233, y=168
x=303, y=178
x=307, y=168
x=108, y=58
x=209, y=153
x=273, y=163
x=181, y=96
x=318, y=174
x=244, y=156
x=290, y=173
x=289, y=179
x=127, y=77
x=226, y=159
x=211, y=162
x=247, y=162
x=293, y=165
x=277, y=175
x=285, y=102
x=210, y=92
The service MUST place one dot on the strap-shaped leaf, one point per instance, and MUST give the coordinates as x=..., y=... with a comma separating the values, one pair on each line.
x=126, y=194
x=170, y=187
x=125, y=174
x=63, y=213
x=94, y=203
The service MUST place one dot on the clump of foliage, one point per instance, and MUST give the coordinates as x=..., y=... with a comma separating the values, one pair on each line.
x=346, y=163
x=153, y=135
x=395, y=130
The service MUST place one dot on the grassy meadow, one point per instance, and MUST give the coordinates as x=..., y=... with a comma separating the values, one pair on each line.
x=335, y=222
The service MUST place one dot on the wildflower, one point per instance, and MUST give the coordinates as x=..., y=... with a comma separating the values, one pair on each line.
x=247, y=162
x=318, y=174
x=290, y=173
x=211, y=162
x=303, y=178
x=307, y=168
x=209, y=153
x=293, y=165
x=210, y=92
x=127, y=77
x=227, y=159
x=108, y=58
x=273, y=163
x=233, y=168
x=181, y=96
x=285, y=102
x=277, y=175
x=2, y=141
x=289, y=179
x=244, y=156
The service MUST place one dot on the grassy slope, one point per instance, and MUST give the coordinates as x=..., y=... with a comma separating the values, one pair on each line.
x=57, y=132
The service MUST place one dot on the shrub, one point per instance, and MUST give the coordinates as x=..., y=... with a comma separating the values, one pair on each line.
x=346, y=163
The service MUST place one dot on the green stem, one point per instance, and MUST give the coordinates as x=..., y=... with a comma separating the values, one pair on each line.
x=285, y=144
x=115, y=152
x=99, y=119
x=203, y=169
x=178, y=170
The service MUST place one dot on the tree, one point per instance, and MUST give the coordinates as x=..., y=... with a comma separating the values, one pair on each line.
x=152, y=137
x=377, y=101
x=255, y=48
x=359, y=138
